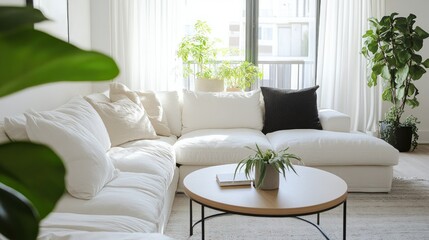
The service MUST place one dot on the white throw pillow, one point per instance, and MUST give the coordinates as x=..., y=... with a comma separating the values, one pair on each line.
x=15, y=128
x=87, y=164
x=148, y=101
x=125, y=121
x=156, y=113
x=223, y=110
x=119, y=91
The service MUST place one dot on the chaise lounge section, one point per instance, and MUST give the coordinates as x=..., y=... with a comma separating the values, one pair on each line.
x=364, y=162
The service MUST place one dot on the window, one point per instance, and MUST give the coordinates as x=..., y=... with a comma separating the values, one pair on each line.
x=288, y=60
x=226, y=19
x=284, y=43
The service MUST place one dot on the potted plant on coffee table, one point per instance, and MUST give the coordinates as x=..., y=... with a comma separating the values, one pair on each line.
x=391, y=47
x=239, y=77
x=198, y=53
x=267, y=166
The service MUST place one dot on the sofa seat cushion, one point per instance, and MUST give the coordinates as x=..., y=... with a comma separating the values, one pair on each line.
x=138, y=195
x=218, y=146
x=96, y=223
x=146, y=156
x=325, y=148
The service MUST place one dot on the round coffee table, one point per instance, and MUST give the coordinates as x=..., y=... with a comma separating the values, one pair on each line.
x=312, y=191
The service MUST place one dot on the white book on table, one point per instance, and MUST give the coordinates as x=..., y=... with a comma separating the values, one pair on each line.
x=227, y=179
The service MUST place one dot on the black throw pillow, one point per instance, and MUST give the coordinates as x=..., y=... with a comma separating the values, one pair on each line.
x=290, y=109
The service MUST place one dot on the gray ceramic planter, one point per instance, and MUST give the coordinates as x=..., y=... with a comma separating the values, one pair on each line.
x=271, y=180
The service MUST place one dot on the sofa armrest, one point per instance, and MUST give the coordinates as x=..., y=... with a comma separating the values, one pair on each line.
x=332, y=120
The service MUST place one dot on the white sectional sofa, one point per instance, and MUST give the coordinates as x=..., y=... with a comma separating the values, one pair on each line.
x=205, y=129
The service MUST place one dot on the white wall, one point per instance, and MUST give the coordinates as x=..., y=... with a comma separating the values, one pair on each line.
x=100, y=33
x=12, y=2
x=52, y=95
x=419, y=8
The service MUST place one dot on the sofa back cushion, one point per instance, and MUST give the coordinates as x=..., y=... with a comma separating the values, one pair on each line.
x=171, y=104
x=221, y=110
x=86, y=161
x=77, y=108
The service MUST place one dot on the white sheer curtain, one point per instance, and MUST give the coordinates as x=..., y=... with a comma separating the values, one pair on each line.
x=341, y=69
x=144, y=39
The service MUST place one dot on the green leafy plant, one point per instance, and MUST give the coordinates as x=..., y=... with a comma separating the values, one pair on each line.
x=389, y=128
x=391, y=46
x=281, y=161
x=240, y=76
x=32, y=175
x=198, y=49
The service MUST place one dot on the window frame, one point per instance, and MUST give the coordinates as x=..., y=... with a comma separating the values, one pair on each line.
x=251, y=34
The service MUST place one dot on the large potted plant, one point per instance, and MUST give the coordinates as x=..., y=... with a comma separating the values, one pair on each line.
x=391, y=47
x=267, y=166
x=198, y=54
x=239, y=77
x=31, y=174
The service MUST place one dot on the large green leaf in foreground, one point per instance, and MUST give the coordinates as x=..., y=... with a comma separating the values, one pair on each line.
x=30, y=57
x=18, y=220
x=16, y=17
x=35, y=171
x=34, y=176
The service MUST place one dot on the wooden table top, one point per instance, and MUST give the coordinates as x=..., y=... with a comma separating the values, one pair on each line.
x=311, y=191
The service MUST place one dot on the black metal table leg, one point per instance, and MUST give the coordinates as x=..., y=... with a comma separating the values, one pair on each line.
x=202, y=222
x=318, y=219
x=191, y=227
x=203, y=218
x=344, y=219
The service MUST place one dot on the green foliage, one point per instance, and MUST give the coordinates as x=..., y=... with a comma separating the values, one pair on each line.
x=240, y=76
x=16, y=169
x=199, y=49
x=32, y=175
x=18, y=218
x=44, y=59
x=390, y=127
x=12, y=18
x=38, y=190
x=391, y=45
x=280, y=161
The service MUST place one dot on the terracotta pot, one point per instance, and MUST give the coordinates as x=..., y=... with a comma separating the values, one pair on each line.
x=209, y=85
x=271, y=180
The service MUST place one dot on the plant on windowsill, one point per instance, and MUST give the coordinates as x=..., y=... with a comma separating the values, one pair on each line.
x=239, y=77
x=267, y=167
x=32, y=175
x=391, y=46
x=199, y=50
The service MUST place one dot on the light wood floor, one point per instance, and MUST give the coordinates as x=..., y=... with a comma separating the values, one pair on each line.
x=413, y=164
